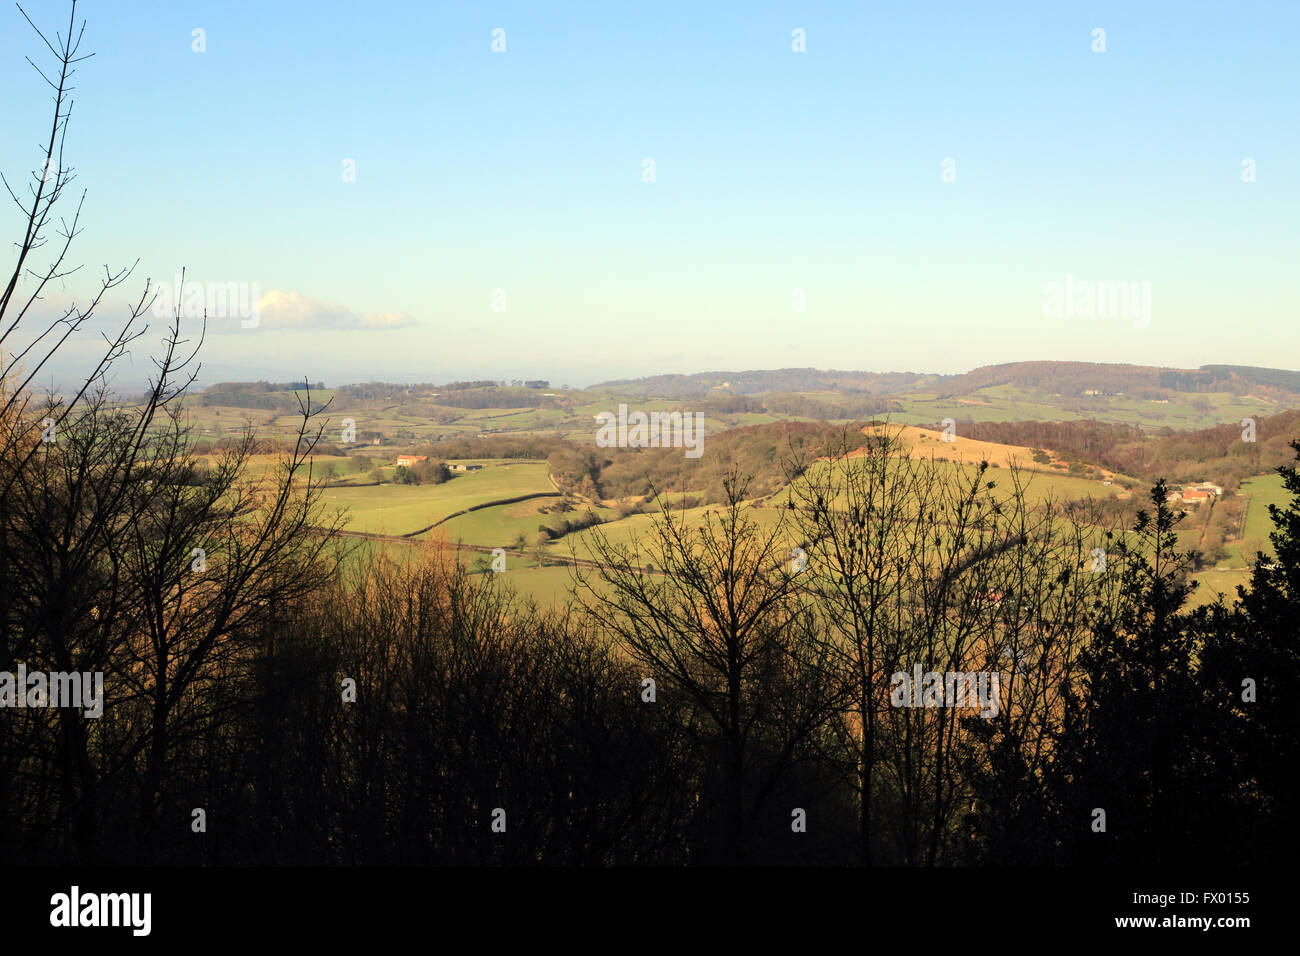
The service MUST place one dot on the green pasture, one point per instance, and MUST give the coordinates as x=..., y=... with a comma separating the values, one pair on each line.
x=1216, y=582
x=500, y=526
x=403, y=509
x=1263, y=491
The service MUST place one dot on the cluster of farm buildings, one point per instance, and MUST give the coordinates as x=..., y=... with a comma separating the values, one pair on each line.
x=1195, y=494
x=410, y=460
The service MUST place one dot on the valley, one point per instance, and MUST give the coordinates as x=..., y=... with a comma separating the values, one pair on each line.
x=526, y=470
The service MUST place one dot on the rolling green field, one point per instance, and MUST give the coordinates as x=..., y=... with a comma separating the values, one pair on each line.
x=500, y=526
x=405, y=509
x=548, y=586
x=1263, y=491
x=640, y=527
x=328, y=468
x=1217, y=582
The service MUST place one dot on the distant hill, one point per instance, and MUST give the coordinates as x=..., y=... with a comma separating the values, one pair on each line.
x=1271, y=377
x=773, y=380
x=1139, y=381
x=1058, y=378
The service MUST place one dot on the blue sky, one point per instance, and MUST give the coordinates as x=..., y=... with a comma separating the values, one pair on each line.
x=774, y=171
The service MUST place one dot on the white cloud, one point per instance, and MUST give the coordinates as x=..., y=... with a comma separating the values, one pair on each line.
x=293, y=311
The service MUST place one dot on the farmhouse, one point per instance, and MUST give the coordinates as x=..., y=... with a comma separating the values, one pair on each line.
x=1195, y=494
x=409, y=460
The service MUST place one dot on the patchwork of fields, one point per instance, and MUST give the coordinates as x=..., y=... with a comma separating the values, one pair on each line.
x=482, y=509
x=570, y=414
x=474, y=509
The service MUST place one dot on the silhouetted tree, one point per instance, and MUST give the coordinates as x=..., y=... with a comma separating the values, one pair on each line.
x=1248, y=669
x=1129, y=743
x=721, y=623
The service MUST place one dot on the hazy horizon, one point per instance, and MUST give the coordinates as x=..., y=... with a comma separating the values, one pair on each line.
x=122, y=382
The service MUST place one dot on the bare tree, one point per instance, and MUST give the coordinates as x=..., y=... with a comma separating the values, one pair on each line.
x=721, y=622
x=103, y=514
x=930, y=564
x=23, y=354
